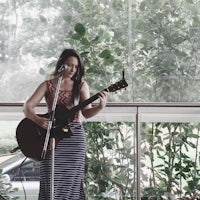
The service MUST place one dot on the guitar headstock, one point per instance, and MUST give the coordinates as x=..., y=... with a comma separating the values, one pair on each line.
x=117, y=86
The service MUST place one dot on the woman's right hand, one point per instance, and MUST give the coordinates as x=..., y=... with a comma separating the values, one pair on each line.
x=42, y=122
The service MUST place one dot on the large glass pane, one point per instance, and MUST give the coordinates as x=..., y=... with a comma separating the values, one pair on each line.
x=110, y=171
x=170, y=160
x=146, y=151
x=155, y=41
x=165, y=48
x=35, y=32
x=110, y=163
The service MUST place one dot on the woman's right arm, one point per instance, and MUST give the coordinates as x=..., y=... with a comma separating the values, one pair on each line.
x=32, y=102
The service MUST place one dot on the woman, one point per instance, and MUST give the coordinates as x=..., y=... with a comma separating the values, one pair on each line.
x=70, y=152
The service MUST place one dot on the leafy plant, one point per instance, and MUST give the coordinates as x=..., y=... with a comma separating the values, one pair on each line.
x=110, y=161
x=168, y=170
x=168, y=147
x=6, y=189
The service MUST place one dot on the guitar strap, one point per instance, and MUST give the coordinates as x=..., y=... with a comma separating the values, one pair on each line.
x=77, y=95
x=76, y=98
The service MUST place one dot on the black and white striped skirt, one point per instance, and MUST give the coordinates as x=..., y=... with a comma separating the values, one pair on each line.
x=68, y=168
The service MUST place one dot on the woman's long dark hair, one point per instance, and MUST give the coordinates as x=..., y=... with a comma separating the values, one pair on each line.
x=77, y=78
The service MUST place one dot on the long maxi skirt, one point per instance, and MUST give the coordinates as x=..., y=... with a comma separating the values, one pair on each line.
x=68, y=169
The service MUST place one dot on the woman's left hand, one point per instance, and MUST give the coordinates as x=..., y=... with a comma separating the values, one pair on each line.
x=103, y=98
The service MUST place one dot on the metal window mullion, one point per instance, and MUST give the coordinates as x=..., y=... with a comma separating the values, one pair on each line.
x=138, y=155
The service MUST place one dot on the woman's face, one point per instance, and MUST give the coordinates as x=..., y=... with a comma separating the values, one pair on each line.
x=71, y=66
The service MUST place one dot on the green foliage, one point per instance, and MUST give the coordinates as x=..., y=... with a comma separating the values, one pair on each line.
x=6, y=189
x=110, y=161
x=80, y=29
x=168, y=147
x=7, y=137
x=168, y=168
x=89, y=49
x=156, y=41
x=164, y=57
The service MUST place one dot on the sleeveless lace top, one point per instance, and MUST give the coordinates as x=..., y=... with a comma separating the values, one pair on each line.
x=65, y=97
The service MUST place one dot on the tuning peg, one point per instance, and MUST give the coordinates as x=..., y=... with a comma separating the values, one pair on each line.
x=123, y=72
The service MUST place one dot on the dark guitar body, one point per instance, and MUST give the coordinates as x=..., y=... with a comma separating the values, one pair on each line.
x=31, y=137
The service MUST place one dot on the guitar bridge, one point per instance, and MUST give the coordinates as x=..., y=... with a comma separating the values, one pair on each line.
x=65, y=129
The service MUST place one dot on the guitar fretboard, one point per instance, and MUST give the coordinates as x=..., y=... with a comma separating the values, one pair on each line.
x=83, y=104
x=112, y=88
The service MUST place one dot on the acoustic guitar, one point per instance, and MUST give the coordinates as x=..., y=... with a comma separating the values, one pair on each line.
x=31, y=137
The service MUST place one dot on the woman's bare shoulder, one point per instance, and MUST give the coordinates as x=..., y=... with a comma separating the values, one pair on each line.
x=83, y=84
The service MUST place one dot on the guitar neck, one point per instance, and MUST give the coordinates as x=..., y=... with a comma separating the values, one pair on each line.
x=112, y=88
x=84, y=103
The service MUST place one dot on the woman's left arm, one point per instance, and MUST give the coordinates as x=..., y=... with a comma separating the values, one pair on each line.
x=89, y=110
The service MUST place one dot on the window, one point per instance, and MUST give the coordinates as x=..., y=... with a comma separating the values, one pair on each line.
x=156, y=42
x=24, y=171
